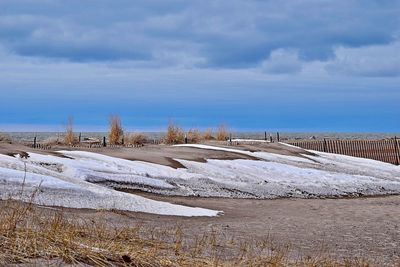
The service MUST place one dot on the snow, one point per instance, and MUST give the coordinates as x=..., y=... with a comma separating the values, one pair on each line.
x=67, y=187
x=261, y=155
x=214, y=148
x=272, y=179
x=278, y=175
x=87, y=180
x=274, y=175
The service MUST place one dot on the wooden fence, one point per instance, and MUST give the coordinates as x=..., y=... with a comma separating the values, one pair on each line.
x=382, y=150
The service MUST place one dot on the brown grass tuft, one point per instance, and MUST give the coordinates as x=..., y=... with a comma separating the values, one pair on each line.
x=69, y=137
x=136, y=139
x=175, y=134
x=194, y=136
x=116, y=132
x=208, y=135
x=222, y=133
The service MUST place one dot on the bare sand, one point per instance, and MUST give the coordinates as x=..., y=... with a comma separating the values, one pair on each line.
x=364, y=227
x=360, y=227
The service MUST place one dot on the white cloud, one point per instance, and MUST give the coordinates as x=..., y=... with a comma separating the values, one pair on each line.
x=282, y=61
x=372, y=61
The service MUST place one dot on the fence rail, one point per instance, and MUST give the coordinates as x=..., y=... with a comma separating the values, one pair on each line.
x=382, y=150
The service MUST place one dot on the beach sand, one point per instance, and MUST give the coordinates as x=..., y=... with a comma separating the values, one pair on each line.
x=359, y=227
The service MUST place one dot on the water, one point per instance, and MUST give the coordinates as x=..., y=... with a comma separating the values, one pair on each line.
x=284, y=136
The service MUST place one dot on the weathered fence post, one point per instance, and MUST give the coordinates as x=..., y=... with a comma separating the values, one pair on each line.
x=186, y=139
x=34, y=142
x=80, y=136
x=324, y=145
x=277, y=137
x=104, y=141
x=365, y=149
x=378, y=150
x=396, y=150
x=385, y=154
x=348, y=145
x=336, y=147
x=270, y=138
x=265, y=136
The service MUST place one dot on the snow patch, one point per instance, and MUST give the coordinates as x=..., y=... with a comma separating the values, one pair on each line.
x=83, y=180
x=70, y=188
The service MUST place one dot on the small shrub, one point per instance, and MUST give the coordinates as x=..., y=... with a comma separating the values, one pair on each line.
x=208, y=135
x=222, y=133
x=69, y=137
x=175, y=134
x=136, y=139
x=116, y=132
x=194, y=136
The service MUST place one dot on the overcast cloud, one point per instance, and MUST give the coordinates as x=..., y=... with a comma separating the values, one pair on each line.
x=224, y=54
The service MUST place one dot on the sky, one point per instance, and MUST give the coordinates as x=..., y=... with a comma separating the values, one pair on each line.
x=309, y=65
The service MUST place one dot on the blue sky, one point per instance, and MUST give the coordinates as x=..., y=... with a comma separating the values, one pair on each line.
x=253, y=65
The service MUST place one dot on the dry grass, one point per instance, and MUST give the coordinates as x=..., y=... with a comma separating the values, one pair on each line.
x=194, y=136
x=208, y=135
x=69, y=138
x=136, y=139
x=116, y=133
x=222, y=133
x=34, y=235
x=175, y=134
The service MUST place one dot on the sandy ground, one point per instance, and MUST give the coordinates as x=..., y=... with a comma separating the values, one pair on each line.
x=359, y=227
x=365, y=227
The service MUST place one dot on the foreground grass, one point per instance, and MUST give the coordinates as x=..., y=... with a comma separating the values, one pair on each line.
x=31, y=235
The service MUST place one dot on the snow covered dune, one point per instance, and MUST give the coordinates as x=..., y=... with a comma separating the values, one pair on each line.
x=276, y=175
x=61, y=181
x=87, y=180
